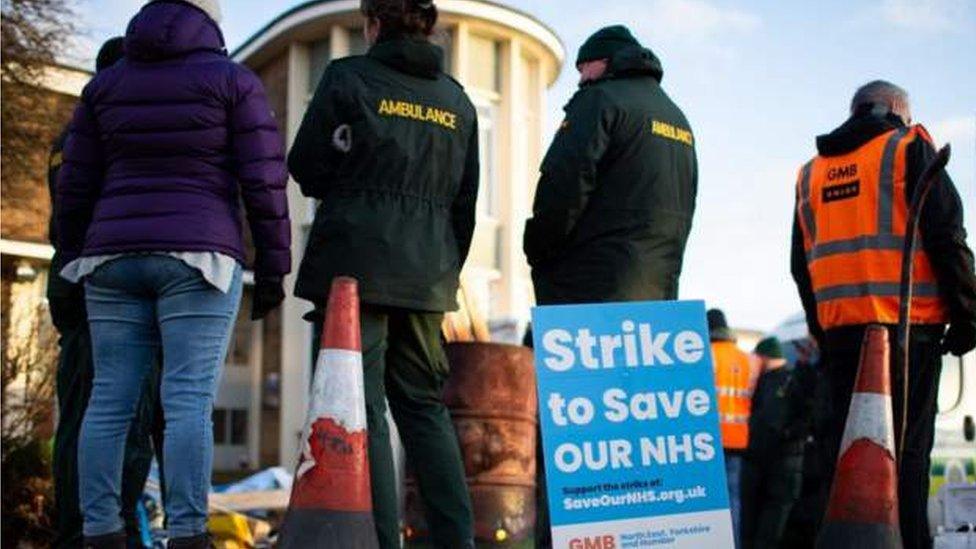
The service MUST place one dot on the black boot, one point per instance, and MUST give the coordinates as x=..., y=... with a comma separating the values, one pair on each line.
x=106, y=541
x=201, y=541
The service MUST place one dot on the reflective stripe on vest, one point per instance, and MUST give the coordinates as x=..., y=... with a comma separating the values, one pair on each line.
x=733, y=392
x=852, y=211
x=733, y=418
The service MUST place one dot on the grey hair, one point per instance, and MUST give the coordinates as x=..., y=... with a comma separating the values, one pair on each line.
x=881, y=93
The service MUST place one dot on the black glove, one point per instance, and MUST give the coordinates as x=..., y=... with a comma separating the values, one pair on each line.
x=268, y=294
x=960, y=339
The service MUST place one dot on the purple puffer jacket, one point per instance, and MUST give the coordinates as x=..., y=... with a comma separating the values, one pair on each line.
x=165, y=144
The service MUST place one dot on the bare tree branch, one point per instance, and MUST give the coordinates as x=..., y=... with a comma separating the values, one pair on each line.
x=34, y=34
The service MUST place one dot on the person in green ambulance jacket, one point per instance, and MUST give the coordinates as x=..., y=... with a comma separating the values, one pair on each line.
x=617, y=191
x=389, y=145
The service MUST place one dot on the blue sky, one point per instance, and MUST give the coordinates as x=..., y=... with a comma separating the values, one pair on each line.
x=758, y=80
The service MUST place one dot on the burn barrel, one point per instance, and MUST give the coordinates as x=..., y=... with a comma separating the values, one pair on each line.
x=492, y=398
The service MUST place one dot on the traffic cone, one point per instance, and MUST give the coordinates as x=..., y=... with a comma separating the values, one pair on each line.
x=330, y=502
x=863, y=508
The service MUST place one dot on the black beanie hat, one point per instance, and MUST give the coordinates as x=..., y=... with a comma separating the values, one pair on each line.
x=112, y=52
x=605, y=43
x=716, y=319
x=770, y=348
x=718, y=327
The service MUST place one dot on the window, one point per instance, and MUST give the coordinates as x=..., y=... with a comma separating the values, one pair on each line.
x=241, y=346
x=238, y=427
x=357, y=42
x=444, y=37
x=220, y=426
x=319, y=55
x=230, y=426
x=950, y=384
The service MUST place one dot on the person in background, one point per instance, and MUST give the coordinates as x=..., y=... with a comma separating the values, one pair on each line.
x=162, y=149
x=852, y=203
x=772, y=471
x=616, y=192
x=735, y=377
x=808, y=378
x=74, y=380
x=390, y=146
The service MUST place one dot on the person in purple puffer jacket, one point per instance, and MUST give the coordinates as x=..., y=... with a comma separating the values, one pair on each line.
x=162, y=149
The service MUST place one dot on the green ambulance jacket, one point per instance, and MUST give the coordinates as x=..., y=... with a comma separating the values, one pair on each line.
x=390, y=146
x=617, y=191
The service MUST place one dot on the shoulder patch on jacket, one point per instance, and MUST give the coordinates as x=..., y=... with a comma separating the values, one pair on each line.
x=674, y=133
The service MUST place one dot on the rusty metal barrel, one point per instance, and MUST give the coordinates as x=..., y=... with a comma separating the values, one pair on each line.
x=492, y=398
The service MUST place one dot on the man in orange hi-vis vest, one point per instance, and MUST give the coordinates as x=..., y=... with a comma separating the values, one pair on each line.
x=853, y=201
x=735, y=378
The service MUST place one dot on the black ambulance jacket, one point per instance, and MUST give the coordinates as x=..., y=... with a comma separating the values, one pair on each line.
x=390, y=146
x=617, y=191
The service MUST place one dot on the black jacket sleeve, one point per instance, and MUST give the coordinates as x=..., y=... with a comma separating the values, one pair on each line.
x=66, y=300
x=314, y=156
x=55, y=159
x=259, y=160
x=569, y=174
x=463, y=209
x=944, y=236
x=801, y=276
x=79, y=181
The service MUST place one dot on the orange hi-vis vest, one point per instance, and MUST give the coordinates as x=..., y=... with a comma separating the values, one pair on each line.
x=853, y=212
x=733, y=386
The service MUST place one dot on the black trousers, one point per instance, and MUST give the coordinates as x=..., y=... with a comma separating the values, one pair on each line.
x=769, y=488
x=843, y=348
x=405, y=365
x=74, y=385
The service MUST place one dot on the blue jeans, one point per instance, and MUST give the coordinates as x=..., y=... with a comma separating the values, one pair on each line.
x=733, y=472
x=138, y=306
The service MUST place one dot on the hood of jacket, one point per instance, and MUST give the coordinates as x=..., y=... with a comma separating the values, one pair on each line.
x=860, y=128
x=411, y=56
x=168, y=29
x=634, y=61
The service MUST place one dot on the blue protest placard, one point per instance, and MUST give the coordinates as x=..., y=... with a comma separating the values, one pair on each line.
x=630, y=429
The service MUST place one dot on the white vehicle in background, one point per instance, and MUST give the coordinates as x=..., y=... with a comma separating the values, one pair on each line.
x=952, y=496
x=954, y=453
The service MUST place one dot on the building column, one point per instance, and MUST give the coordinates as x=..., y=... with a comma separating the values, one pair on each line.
x=296, y=334
x=254, y=410
x=536, y=141
x=514, y=150
x=339, y=42
x=459, y=61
